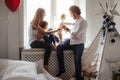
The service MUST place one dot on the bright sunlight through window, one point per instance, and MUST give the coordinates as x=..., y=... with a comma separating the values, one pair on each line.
x=32, y=6
x=54, y=9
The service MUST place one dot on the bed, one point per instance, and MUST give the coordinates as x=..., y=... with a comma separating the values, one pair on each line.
x=23, y=70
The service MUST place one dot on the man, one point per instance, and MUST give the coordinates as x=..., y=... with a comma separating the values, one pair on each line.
x=75, y=43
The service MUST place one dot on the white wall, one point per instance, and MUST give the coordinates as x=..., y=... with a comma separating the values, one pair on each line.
x=10, y=28
x=117, y=18
x=3, y=31
x=95, y=22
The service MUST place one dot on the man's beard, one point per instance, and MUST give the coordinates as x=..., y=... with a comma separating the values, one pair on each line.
x=74, y=17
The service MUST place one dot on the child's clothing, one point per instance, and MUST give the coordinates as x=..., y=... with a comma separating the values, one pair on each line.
x=52, y=39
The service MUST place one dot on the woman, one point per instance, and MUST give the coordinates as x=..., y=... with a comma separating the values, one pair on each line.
x=35, y=28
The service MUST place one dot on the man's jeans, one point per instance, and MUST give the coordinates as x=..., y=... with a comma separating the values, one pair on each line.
x=78, y=50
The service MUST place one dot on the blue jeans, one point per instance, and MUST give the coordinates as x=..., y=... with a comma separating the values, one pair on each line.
x=46, y=46
x=51, y=39
x=78, y=50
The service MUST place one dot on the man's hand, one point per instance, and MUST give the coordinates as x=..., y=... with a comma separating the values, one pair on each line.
x=62, y=26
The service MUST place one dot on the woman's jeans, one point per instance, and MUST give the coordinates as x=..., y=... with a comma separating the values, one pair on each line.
x=78, y=50
x=46, y=46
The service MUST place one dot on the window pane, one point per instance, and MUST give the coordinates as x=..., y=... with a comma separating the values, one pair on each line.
x=33, y=5
x=63, y=7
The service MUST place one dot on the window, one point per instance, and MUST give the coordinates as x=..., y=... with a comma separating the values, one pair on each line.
x=62, y=7
x=53, y=8
x=33, y=5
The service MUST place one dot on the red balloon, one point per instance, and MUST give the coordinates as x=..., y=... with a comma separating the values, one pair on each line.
x=13, y=5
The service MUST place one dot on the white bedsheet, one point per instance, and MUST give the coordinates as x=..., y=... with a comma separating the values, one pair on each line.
x=41, y=77
x=3, y=63
x=18, y=70
x=23, y=70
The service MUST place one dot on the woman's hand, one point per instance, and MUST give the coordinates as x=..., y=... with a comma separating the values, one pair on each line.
x=59, y=29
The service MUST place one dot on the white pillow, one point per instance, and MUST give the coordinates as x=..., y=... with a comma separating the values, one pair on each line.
x=20, y=70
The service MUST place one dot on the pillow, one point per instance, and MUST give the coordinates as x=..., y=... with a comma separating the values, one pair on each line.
x=20, y=70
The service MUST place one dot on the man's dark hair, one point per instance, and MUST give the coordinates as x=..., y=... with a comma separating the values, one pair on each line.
x=43, y=24
x=75, y=9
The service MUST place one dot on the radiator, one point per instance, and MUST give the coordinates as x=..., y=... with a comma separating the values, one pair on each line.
x=37, y=54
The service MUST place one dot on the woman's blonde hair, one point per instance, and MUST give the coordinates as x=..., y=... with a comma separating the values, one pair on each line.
x=38, y=17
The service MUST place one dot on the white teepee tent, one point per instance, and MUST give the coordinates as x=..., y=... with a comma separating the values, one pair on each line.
x=110, y=53
x=104, y=51
x=92, y=58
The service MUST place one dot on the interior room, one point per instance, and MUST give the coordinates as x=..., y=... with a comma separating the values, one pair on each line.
x=101, y=52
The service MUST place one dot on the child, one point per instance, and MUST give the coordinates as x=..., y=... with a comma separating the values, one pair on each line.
x=62, y=18
x=51, y=38
x=40, y=37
